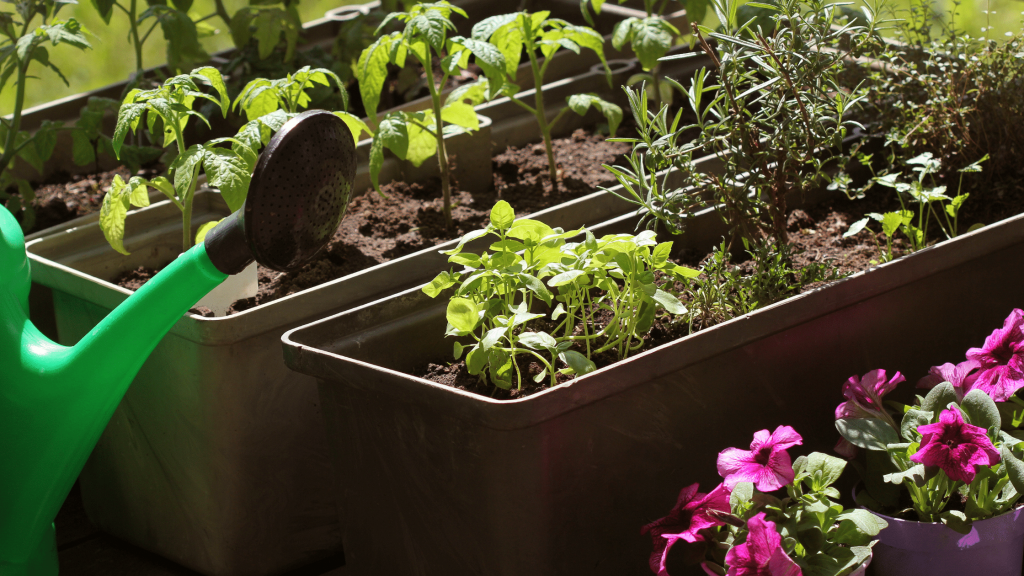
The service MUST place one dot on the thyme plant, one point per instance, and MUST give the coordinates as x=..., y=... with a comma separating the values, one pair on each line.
x=416, y=136
x=512, y=34
x=499, y=294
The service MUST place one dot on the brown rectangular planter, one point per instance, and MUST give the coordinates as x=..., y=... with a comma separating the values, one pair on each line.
x=433, y=480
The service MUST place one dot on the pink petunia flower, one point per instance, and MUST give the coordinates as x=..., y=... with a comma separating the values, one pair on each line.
x=864, y=395
x=1002, y=359
x=690, y=515
x=766, y=464
x=955, y=446
x=762, y=554
x=961, y=376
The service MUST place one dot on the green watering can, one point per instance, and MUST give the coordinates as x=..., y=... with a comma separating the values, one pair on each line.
x=55, y=401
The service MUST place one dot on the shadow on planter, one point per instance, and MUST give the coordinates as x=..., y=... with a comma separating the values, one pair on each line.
x=433, y=480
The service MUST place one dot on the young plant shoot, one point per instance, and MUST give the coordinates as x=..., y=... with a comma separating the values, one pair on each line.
x=180, y=30
x=167, y=110
x=261, y=97
x=512, y=33
x=650, y=38
x=415, y=136
x=20, y=45
x=531, y=275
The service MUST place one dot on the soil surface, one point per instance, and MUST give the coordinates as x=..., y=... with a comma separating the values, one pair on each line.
x=377, y=229
x=816, y=232
x=67, y=197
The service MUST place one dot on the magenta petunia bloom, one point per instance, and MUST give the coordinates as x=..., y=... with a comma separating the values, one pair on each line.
x=961, y=376
x=864, y=395
x=955, y=446
x=690, y=515
x=766, y=464
x=762, y=554
x=1002, y=359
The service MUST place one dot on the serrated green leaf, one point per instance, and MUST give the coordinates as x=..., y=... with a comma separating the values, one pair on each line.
x=460, y=114
x=230, y=173
x=580, y=103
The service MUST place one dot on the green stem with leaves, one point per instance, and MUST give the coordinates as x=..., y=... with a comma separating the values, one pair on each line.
x=442, y=152
x=19, y=102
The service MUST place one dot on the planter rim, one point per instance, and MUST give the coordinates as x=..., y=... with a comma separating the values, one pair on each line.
x=285, y=311
x=669, y=357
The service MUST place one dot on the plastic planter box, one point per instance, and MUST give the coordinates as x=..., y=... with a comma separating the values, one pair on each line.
x=432, y=480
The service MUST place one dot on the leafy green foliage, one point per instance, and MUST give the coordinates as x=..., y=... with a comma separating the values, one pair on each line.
x=268, y=23
x=511, y=34
x=724, y=290
x=820, y=535
x=17, y=53
x=89, y=141
x=956, y=96
x=415, y=137
x=535, y=293
x=167, y=110
x=993, y=490
x=926, y=195
x=261, y=96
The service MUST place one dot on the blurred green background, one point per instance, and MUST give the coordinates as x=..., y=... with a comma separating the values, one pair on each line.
x=111, y=59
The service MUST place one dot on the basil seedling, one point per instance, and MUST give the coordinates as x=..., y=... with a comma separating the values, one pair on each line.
x=512, y=33
x=416, y=136
x=531, y=273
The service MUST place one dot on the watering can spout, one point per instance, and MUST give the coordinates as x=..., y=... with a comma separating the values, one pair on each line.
x=79, y=387
x=55, y=401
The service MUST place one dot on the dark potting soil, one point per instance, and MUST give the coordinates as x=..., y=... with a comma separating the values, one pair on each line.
x=816, y=232
x=376, y=229
x=66, y=197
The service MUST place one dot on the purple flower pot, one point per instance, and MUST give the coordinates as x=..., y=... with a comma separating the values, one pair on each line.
x=994, y=547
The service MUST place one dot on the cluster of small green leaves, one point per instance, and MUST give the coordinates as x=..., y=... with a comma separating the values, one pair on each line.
x=181, y=32
x=166, y=110
x=268, y=22
x=995, y=489
x=417, y=136
x=926, y=196
x=20, y=45
x=499, y=294
x=822, y=537
x=954, y=95
x=512, y=34
x=290, y=94
x=358, y=33
x=725, y=290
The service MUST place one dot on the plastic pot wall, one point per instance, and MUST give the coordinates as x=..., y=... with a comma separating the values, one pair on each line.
x=432, y=480
x=217, y=457
x=993, y=546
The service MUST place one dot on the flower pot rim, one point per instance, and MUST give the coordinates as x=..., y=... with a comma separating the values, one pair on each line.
x=307, y=358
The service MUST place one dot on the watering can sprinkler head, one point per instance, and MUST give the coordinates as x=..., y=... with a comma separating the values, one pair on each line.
x=298, y=194
x=55, y=400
